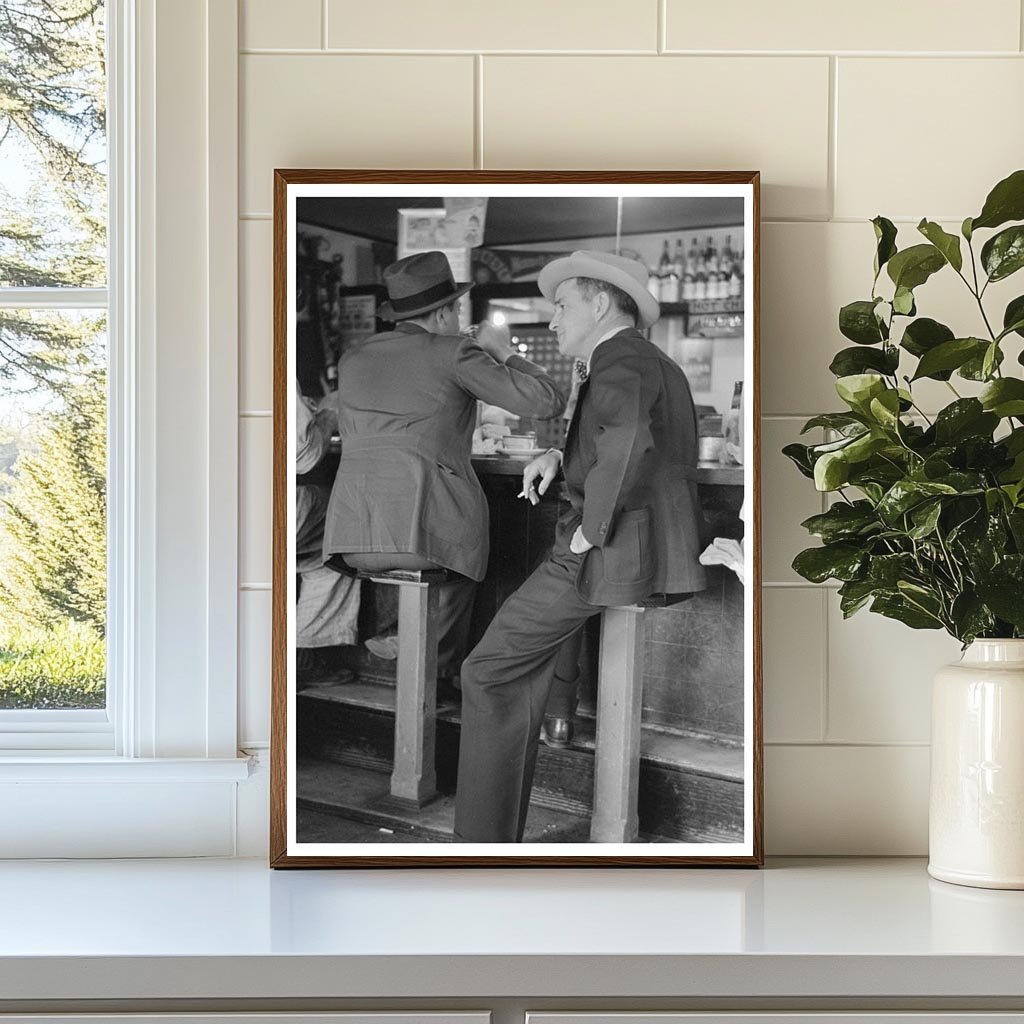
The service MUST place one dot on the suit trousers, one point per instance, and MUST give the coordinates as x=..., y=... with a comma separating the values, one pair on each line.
x=505, y=685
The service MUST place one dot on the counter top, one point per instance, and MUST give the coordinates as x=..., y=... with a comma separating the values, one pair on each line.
x=823, y=928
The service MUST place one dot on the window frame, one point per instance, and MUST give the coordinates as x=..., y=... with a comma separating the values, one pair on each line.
x=93, y=729
x=165, y=779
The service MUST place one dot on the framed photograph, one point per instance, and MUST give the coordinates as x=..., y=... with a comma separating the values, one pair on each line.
x=516, y=550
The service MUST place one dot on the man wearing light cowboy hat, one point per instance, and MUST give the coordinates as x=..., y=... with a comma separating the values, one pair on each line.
x=634, y=529
x=406, y=495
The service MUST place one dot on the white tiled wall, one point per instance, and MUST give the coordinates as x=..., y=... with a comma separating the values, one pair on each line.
x=910, y=110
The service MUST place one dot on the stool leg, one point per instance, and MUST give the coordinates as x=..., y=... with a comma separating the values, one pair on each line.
x=413, y=777
x=617, y=747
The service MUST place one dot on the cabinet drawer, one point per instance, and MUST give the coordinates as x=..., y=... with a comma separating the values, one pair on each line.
x=360, y=1017
x=933, y=1017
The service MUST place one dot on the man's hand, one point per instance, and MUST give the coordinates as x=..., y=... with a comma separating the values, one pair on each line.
x=727, y=552
x=545, y=467
x=495, y=341
x=579, y=543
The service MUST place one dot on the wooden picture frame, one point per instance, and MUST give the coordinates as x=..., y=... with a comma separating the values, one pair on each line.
x=691, y=777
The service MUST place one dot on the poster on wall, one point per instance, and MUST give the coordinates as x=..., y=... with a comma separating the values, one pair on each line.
x=487, y=651
x=422, y=230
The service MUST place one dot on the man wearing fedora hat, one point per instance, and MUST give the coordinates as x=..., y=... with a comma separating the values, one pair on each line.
x=406, y=495
x=633, y=529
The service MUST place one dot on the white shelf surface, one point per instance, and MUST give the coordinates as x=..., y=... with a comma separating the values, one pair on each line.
x=824, y=928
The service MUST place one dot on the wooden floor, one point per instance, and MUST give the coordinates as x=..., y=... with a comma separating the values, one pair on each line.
x=691, y=786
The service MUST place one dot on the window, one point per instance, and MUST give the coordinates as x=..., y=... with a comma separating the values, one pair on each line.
x=53, y=370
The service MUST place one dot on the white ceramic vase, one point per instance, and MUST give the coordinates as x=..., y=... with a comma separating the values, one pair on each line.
x=976, y=813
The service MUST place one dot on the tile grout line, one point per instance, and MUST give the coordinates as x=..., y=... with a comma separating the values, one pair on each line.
x=340, y=51
x=478, y=111
x=825, y=723
x=832, y=169
x=851, y=744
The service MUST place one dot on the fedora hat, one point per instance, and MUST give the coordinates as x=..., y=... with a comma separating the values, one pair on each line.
x=417, y=284
x=628, y=275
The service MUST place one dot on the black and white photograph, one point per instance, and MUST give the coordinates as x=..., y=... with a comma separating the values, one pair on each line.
x=516, y=558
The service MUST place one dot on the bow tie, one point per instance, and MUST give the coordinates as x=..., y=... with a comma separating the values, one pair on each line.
x=579, y=378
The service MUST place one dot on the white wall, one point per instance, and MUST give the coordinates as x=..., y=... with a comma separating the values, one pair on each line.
x=906, y=109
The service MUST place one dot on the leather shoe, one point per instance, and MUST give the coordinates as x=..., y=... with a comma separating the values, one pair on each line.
x=556, y=732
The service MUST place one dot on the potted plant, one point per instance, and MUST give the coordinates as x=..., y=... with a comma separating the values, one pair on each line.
x=927, y=521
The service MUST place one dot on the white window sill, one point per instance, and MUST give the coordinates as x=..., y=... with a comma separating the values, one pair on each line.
x=77, y=766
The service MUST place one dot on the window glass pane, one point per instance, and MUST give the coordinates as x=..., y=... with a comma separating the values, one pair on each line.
x=53, y=149
x=53, y=443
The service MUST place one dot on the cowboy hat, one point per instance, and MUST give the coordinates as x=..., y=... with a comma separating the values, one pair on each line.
x=628, y=275
x=417, y=284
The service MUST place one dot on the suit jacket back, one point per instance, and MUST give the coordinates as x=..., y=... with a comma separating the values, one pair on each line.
x=406, y=404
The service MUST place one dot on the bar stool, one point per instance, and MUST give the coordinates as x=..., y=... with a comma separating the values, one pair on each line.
x=413, y=778
x=619, y=702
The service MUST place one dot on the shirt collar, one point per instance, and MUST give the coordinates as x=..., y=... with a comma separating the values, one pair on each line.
x=604, y=338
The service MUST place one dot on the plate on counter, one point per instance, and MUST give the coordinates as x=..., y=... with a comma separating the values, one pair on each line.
x=528, y=453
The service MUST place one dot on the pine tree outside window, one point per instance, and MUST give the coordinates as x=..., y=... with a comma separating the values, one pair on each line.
x=53, y=364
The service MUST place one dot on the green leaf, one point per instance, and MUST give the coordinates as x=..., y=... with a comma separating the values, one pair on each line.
x=899, y=608
x=947, y=244
x=857, y=322
x=842, y=521
x=858, y=389
x=966, y=417
x=991, y=360
x=1004, y=397
x=903, y=302
x=831, y=471
x=887, y=570
x=833, y=561
x=885, y=409
x=923, y=335
x=912, y=267
x=833, y=420
x=1003, y=596
x=1003, y=254
x=1013, y=318
x=970, y=617
x=965, y=229
x=949, y=355
x=885, y=236
x=907, y=494
x=974, y=368
x=799, y=455
x=863, y=447
x=849, y=361
x=854, y=594
x=925, y=518
x=1005, y=202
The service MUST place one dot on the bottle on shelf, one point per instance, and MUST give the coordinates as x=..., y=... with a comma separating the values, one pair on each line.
x=711, y=255
x=736, y=277
x=700, y=282
x=679, y=267
x=669, y=278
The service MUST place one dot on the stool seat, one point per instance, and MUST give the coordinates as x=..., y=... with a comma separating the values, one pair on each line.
x=427, y=576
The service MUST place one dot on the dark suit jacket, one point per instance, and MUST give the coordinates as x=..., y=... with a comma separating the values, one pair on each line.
x=406, y=412
x=630, y=466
